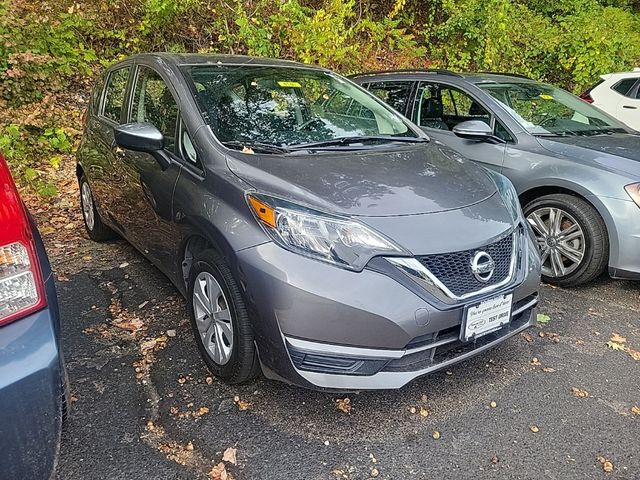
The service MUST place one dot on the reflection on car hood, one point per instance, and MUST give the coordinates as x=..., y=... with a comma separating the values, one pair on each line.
x=376, y=182
x=600, y=148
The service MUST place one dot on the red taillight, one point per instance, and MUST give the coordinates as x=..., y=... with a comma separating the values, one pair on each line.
x=21, y=285
x=586, y=97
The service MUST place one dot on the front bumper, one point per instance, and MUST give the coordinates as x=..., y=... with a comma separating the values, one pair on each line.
x=323, y=327
x=623, y=225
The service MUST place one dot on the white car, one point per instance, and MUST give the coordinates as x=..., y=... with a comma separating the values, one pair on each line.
x=618, y=94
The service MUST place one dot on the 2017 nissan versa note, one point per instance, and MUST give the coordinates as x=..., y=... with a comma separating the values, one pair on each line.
x=315, y=232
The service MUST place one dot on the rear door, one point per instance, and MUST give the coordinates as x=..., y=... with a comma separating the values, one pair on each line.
x=99, y=157
x=628, y=105
x=439, y=107
x=147, y=188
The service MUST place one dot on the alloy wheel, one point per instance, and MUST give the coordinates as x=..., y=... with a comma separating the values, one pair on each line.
x=87, y=205
x=560, y=238
x=213, y=318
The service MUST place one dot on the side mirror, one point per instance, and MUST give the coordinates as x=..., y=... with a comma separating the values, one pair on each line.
x=143, y=137
x=473, y=130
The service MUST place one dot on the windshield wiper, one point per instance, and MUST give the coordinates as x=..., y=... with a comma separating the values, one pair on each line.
x=356, y=139
x=263, y=147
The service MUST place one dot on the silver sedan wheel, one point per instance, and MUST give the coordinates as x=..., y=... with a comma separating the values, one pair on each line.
x=87, y=205
x=213, y=318
x=560, y=239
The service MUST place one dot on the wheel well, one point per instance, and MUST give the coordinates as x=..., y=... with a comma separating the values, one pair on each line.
x=79, y=171
x=192, y=246
x=529, y=195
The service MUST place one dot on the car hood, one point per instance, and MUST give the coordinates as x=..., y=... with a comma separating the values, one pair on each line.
x=611, y=151
x=378, y=183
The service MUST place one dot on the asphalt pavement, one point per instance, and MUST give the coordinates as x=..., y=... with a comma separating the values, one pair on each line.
x=556, y=402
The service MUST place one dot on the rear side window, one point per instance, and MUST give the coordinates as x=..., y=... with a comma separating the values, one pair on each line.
x=395, y=94
x=153, y=103
x=623, y=87
x=114, y=96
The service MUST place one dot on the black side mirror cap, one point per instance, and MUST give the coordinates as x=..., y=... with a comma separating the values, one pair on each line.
x=143, y=137
x=473, y=130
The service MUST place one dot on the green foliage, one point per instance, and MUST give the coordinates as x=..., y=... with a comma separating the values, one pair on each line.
x=51, y=50
x=568, y=42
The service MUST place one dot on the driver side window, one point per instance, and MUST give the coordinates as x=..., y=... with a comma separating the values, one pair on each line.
x=154, y=103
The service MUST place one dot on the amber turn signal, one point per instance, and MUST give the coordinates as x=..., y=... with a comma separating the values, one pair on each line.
x=263, y=211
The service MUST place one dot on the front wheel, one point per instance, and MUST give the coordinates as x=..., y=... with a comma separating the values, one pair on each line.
x=220, y=321
x=572, y=239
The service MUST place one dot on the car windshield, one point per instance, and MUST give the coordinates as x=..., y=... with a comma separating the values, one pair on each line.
x=545, y=110
x=265, y=106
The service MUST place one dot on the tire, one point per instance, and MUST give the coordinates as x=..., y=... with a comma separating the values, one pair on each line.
x=97, y=230
x=234, y=360
x=589, y=238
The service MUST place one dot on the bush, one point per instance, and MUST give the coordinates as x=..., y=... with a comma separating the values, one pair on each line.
x=51, y=50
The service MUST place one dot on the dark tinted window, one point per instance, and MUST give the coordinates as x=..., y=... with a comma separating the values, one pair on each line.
x=154, y=103
x=114, y=97
x=395, y=94
x=502, y=133
x=624, y=86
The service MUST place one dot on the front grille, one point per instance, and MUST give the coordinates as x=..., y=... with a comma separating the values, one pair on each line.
x=454, y=269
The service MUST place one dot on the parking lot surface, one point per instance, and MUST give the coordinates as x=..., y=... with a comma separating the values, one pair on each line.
x=559, y=401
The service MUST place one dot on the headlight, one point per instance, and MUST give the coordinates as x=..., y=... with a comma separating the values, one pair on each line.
x=509, y=195
x=340, y=241
x=634, y=192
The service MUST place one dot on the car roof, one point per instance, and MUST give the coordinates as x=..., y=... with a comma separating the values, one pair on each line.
x=472, y=77
x=182, y=59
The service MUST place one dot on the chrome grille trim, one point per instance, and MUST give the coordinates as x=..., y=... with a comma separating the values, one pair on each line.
x=417, y=271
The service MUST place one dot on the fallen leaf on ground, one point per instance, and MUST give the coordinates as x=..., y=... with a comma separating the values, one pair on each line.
x=534, y=428
x=374, y=472
x=578, y=392
x=242, y=404
x=219, y=472
x=209, y=380
x=229, y=455
x=343, y=404
x=635, y=410
x=615, y=346
x=494, y=459
x=634, y=354
x=535, y=361
x=527, y=337
x=607, y=466
x=436, y=435
x=424, y=412
x=493, y=404
x=618, y=338
x=412, y=410
x=543, y=319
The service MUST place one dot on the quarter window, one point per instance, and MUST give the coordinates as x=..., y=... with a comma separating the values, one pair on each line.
x=114, y=97
x=153, y=103
x=624, y=87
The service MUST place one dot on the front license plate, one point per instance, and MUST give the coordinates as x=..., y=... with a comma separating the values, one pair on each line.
x=486, y=317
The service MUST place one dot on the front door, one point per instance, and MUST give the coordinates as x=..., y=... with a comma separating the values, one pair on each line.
x=148, y=189
x=439, y=107
x=628, y=108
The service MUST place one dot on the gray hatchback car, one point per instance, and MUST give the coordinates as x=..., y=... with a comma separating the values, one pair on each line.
x=333, y=249
x=576, y=169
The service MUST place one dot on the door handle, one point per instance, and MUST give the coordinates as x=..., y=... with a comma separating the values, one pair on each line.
x=630, y=107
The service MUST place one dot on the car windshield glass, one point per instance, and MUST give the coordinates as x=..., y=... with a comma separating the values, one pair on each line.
x=287, y=106
x=545, y=110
